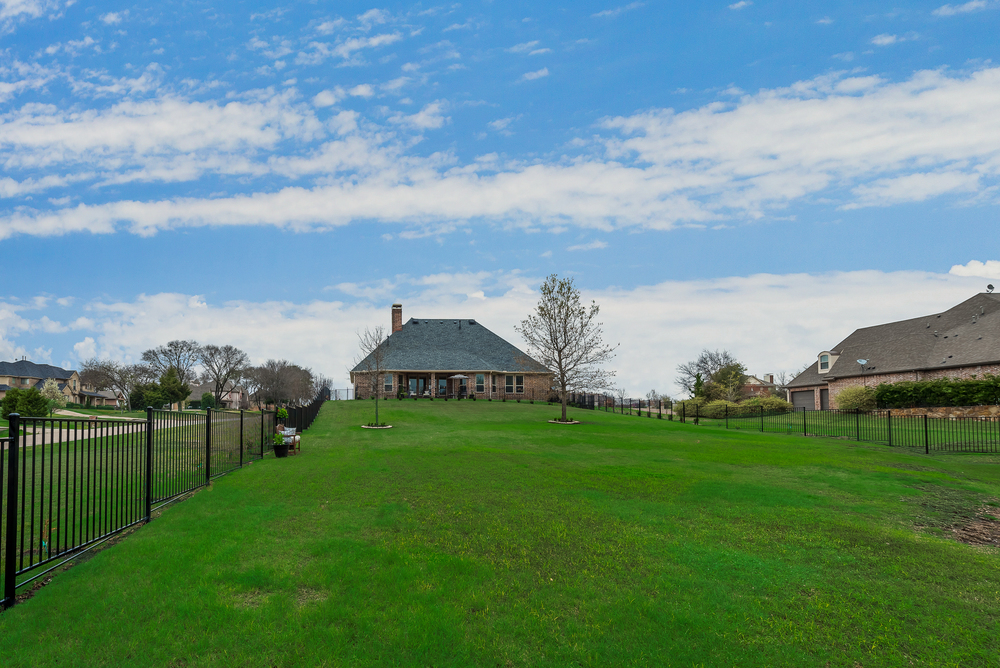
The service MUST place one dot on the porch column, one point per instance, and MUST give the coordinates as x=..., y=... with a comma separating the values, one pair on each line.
x=433, y=387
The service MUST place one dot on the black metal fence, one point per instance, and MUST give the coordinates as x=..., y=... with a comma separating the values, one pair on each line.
x=951, y=434
x=67, y=485
x=301, y=417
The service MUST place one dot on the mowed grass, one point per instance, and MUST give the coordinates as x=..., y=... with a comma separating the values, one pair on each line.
x=477, y=534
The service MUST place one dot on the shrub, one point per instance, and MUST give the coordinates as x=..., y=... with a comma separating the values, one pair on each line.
x=940, y=392
x=31, y=403
x=856, y=398
x=688, y=406
x=207, y=400
x=10, y=402
x=768, y=403
x=717, y=409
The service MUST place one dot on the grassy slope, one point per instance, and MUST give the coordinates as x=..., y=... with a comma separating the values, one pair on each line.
x=477, y=534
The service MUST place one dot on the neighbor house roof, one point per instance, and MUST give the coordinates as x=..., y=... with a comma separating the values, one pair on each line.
x=451, y=345
x=28, y=369
x=965, y=335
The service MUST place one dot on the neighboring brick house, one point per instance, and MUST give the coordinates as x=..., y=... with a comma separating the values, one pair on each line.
x=760, y=387
x=233, y=396
x=23, y=374
x=424, y=354
x=962, y=342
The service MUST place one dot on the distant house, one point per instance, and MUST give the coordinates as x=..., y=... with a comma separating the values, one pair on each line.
x=233, y=396
x=23, y=374
x=760, y=387
x=447, y=357
x=962, y=342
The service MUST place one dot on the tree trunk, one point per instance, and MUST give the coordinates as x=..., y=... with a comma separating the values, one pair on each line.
x=563, y=393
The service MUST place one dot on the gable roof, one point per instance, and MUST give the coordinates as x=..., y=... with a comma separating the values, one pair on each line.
x=451, y=345
x=28, y=369
x=965, y=335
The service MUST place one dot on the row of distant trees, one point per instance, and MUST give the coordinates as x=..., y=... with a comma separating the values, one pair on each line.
x=166, y=373
x=718, y=374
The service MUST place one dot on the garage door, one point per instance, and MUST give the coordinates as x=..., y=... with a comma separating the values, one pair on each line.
x=804, y=400
x=824, y=400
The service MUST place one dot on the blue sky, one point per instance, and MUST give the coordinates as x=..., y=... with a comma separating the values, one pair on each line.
x=758, y=176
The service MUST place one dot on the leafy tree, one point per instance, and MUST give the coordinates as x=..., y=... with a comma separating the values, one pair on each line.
x=698, y=387
x=147, y=394
x=207, y=400
x=174, y=391
x=564, y=336
x=9, y=404
x=31, y=403
x=53, y=395
x=728, y=382
x=708, y=363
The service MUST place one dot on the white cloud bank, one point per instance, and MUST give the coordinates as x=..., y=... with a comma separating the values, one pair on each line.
x=856, y=141
x=771, y=322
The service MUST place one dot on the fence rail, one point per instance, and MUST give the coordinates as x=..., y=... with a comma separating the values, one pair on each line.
x=68, y=484
x=951, y=434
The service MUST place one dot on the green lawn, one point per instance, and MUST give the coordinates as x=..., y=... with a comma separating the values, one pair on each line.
x=477, y=534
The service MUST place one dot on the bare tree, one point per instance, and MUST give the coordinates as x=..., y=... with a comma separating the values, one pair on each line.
x=222, y=365
x=373, y=352
x=112, y=375
x=250, y=382
x=181, y=355
x=708, y=364
x=563, y=335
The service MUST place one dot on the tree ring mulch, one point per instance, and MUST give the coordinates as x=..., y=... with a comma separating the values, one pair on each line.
x=561, y=422
x=369, y=426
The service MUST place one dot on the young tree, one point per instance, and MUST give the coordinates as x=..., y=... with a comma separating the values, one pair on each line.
x=112, y=375
x=223, y=365
x=31, y=403
x=729, y=381
x=172, y=388
x=374, y=351
x=9, y=404
x=207, y=400
x=563, y=335
x=53, y=395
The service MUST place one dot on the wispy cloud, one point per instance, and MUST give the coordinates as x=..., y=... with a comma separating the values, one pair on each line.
x=609, y=13
x=952, y=10
x=886, y=39
x=537, y=74
x=592, y=245
x=741, y=4
x=523, y=47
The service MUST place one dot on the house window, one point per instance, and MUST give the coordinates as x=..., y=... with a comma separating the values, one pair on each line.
x=520, y=384
x=24, y=381
x=824, y=362
x=493, y=383
x=387, y=385
x=480, y=383
x=442, y=387
x=509, y=385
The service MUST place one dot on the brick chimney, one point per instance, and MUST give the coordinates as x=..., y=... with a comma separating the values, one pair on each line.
x=397, y=317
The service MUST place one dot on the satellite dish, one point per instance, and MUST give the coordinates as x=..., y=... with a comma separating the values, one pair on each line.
x=862, y=362
x=989, y=288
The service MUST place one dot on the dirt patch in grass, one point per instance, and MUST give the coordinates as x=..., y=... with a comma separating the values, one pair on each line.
x=307, y=595
x=966, y=516
x=250, y=599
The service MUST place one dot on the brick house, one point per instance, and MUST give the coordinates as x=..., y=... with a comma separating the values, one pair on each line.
x=962, y=342
x=23, y=374
x=428, y=357
x=760, y=387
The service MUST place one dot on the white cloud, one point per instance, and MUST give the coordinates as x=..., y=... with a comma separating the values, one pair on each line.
x=538, y=52
x=501, y=123
x=988, y=269
x=538, y=74
x=347, y=49
x=592, y=245
x=884, y=39
x=362, y=90
x=740, y=5
x=523, y=48
x=328, y=98
x=825, y=21
x=430, y=117
x=952, y=10
x=854, y=141
x=15, y=11
x=771, y=322
x=113, y=18
x=610, y=13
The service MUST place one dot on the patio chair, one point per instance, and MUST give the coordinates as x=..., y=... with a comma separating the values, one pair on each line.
x=292, y=440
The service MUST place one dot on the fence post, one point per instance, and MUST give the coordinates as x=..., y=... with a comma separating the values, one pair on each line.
x=697, y=414
x=727, y=416
x=683, y=413
x=927, y=443
x=659, y=409
x=149, y=463
x=10, y=540
x=889, y=415
x=241, y=438
x=761, y=418
x=261, y=432
x=208, y=445
x=805, y=431
x=857, y=423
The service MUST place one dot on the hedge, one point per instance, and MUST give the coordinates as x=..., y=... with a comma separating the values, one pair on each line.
x=983, y=391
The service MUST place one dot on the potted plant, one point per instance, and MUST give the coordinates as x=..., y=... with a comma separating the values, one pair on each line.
x=281, y=416
x=280, y=447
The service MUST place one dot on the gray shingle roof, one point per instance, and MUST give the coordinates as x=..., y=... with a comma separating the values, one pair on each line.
x=965, y=335
x=28, y=369
x=810, y=376
x=452, y=345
